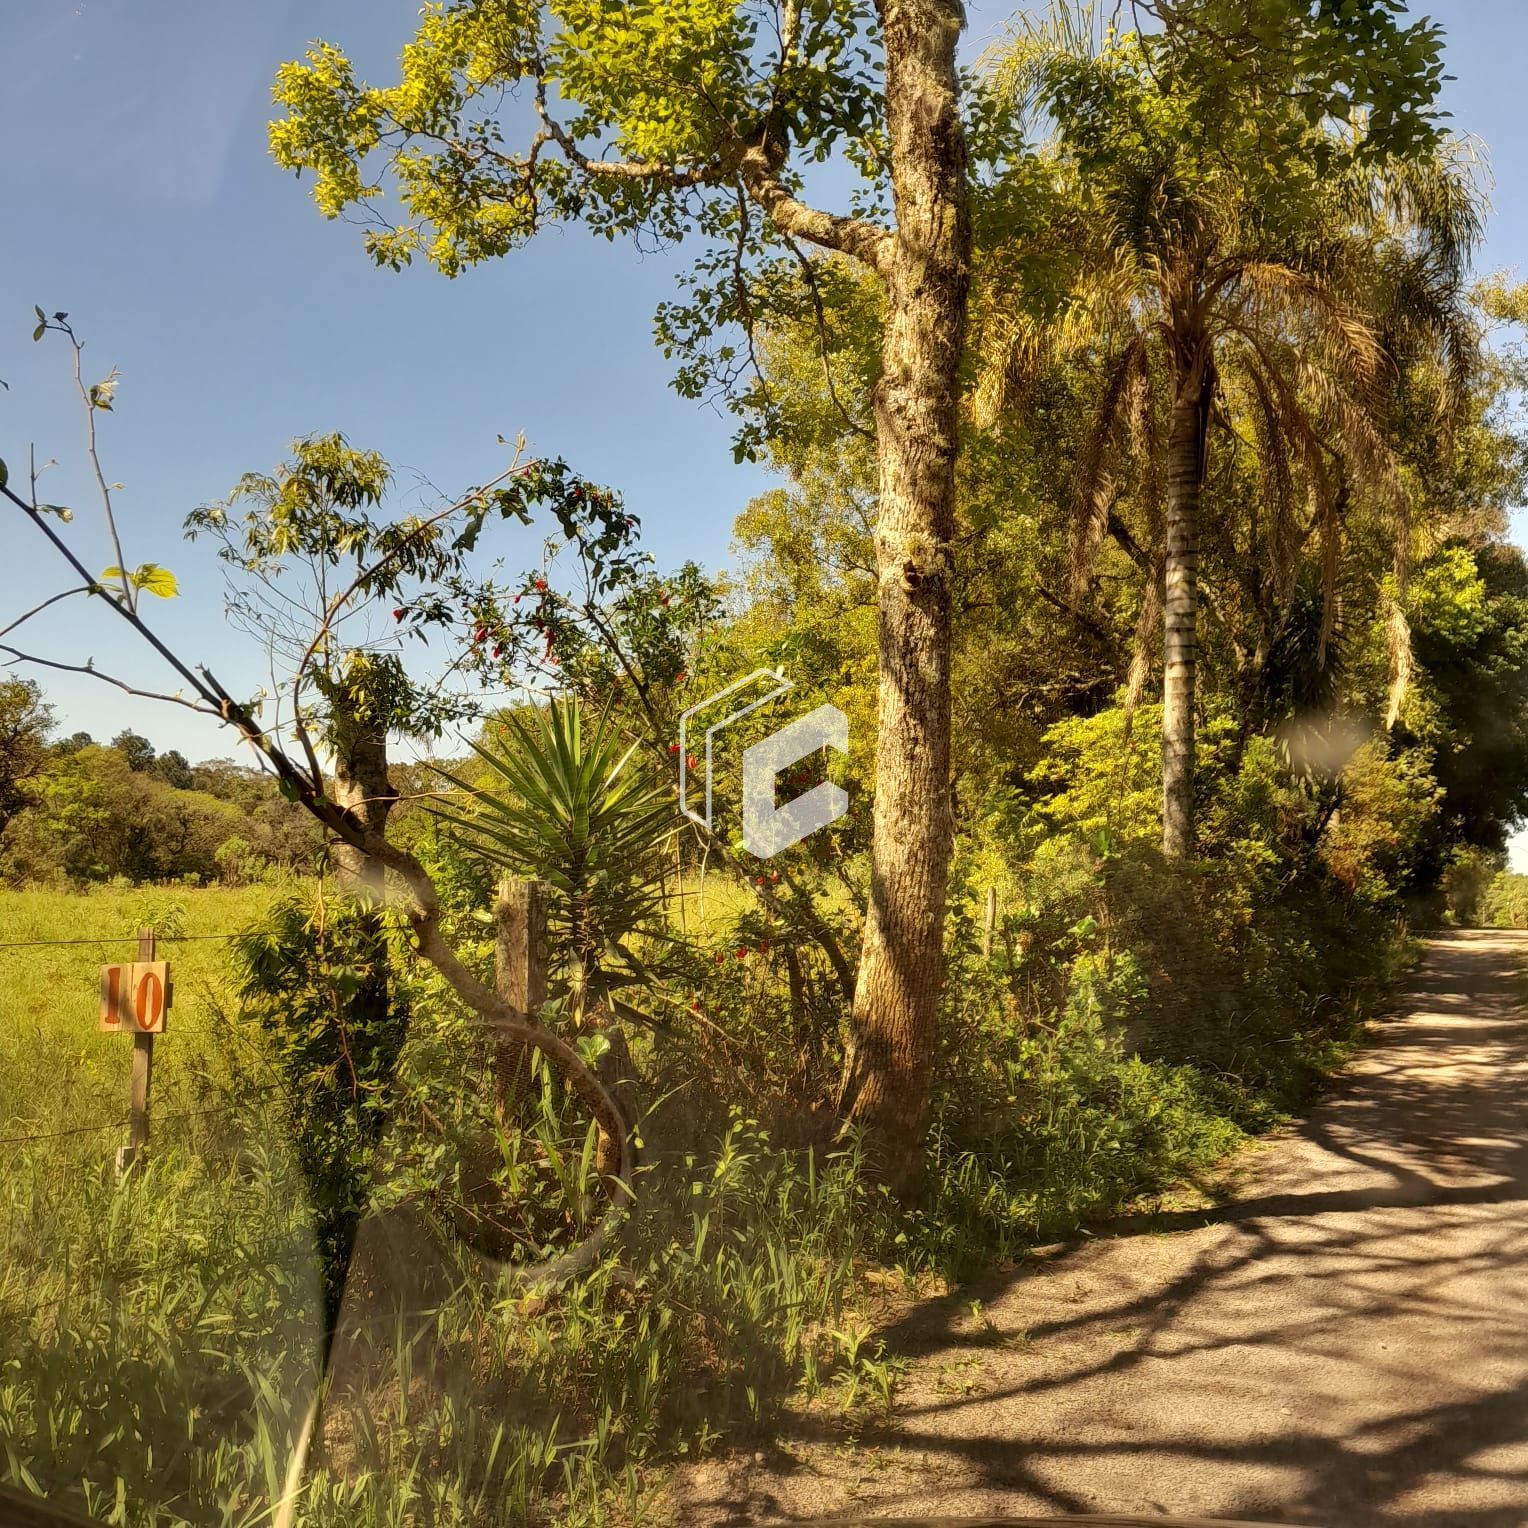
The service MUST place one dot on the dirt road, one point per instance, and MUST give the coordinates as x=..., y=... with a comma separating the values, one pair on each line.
x=1345, y=1342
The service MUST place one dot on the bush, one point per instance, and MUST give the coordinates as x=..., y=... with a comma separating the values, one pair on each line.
x=298, y=974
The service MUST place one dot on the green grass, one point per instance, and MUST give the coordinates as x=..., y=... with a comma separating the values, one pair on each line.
x=57, y=1070
x=158, y=1335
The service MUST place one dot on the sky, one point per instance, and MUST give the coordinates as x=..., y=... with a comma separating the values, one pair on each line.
x=140, y=199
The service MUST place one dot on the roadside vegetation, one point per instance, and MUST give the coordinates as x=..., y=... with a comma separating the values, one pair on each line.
x=1154, y=544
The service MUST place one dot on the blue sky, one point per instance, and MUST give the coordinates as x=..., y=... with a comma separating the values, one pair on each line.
x=140, y=198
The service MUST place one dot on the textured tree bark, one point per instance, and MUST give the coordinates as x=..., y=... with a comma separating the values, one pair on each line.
x=888, y=1067
x=362, y=786
x=1185, y=479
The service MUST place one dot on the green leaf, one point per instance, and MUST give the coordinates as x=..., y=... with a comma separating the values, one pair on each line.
x=39, y=331
x=5, y=473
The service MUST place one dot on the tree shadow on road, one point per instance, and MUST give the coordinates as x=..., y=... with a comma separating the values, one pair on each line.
x=1345, y=1342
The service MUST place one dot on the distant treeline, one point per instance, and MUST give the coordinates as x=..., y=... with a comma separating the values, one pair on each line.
x=73, y=809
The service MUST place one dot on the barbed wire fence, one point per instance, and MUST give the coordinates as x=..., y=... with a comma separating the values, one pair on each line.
x=124, y=1122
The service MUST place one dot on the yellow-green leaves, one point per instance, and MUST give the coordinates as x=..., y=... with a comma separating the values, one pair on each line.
x=628, y=109
x=1446, y=598
x=102, y=393
x=147, y=578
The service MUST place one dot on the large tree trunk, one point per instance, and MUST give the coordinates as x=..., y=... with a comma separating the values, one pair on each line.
x=1185, y=480
x=361, y=784
x=885, y=1087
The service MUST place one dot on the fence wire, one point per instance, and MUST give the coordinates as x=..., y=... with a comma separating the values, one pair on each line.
x=38, y=944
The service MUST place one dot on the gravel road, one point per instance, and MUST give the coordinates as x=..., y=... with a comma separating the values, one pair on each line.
x=1344, y=1342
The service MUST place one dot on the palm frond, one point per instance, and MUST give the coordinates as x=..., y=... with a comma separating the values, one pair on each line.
x=564, y=800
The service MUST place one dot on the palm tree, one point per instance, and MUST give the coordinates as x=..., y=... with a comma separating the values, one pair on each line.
x=1207, y=264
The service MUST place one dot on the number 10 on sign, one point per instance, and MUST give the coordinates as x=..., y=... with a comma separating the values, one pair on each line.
x=134, y=997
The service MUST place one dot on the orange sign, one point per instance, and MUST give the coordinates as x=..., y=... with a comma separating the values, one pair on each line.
x=135, y=997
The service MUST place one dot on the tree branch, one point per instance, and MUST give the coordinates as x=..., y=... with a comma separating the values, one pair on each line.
x=88, y=667
x=863, y=241
x=52, y=599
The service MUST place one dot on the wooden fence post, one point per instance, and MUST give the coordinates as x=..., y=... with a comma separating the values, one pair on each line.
x=131, y=1155
x=519, y=977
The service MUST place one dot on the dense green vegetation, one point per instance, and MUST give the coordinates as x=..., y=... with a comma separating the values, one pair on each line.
x=78, y=812
x=1153, y=542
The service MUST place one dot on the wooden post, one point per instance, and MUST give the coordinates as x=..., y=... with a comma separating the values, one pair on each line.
x=136, y=1150
x=990, y=922
x=520, y=947
x=519, y=972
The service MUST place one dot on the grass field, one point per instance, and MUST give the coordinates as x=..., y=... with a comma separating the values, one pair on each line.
x=161, y=1336
x=157, y=1336
x=57, y=1070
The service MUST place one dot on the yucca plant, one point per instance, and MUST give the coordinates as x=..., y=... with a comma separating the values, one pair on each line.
x=567, y=803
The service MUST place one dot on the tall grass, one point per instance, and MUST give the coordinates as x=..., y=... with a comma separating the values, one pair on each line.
x=161, y=1338
x=57, y=1071
x=502, y=1407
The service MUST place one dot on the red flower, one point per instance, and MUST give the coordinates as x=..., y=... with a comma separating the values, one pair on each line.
x=720, y=957
x=398, y=614
x=763, y=949
x=742, y=952
x=673, y=747
x=541, y=584
x=498, y=649
x=481, y=634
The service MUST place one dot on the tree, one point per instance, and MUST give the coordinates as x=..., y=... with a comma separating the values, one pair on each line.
x=26, y=719
x=305, y=527
x=135, y=748
x=425, y=554
x=91, y=816
x=1468, y=611
x=1217, y=208
x=174, y=769
x=712, y=113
